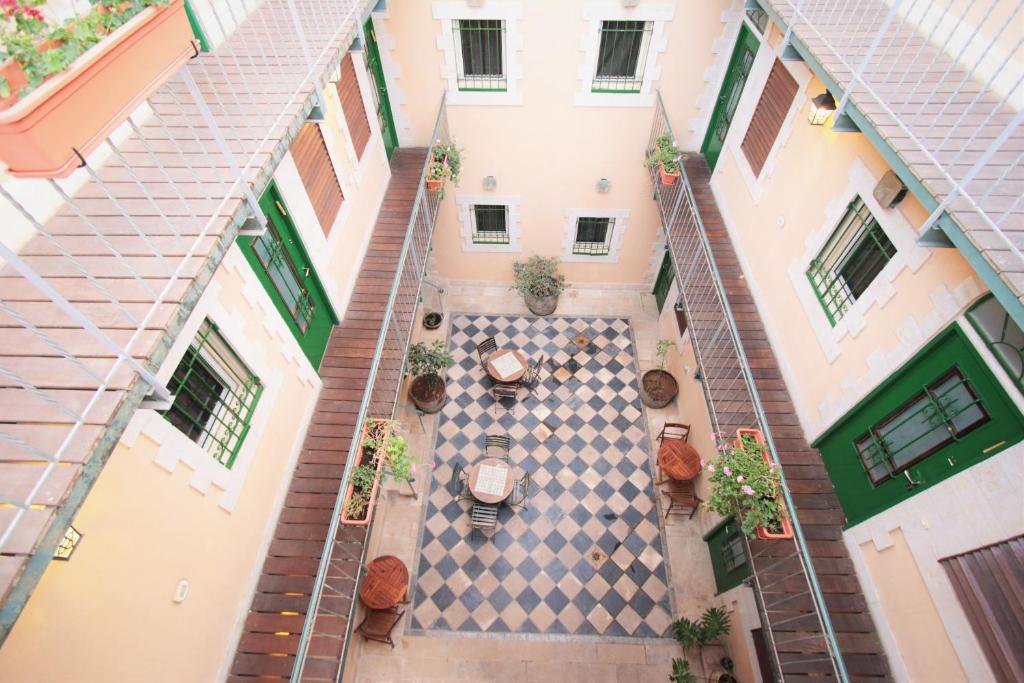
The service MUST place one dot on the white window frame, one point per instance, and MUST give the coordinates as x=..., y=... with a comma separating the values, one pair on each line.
x=642, y=56
x=509, y=11
x=460, y=66
x=614, y=237
x=466, y=202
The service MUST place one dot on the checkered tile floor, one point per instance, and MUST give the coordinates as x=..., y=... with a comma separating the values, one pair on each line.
x=586, y=556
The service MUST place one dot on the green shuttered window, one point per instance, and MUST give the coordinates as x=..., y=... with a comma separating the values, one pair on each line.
x=851, y=259
x=622, y=56
x=593, y=236
x=215, y=395
x=490, y=224
x=480, y=54
x=284, y=275
x=728, y=555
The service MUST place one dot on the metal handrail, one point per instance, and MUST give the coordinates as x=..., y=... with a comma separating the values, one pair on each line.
x=325, y=558
x=803, y=553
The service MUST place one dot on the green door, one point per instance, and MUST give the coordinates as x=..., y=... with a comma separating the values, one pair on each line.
x=729, y=96
x=665, y=277
x=282, y=264
x=380, y=90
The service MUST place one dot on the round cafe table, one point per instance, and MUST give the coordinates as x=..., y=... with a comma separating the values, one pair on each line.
x=473, y=474
x=678, y=459
x=385, y=583
x=511, y=376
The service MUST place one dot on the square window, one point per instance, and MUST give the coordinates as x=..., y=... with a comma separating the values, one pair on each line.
x=850, y=261
x=215, y=395
x=480, y=54
x=622, y=56
x=593, y=236
x=490, y=224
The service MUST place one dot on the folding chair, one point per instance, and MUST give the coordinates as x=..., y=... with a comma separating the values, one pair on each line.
x=379, y=623
x=532, y=376
x=483, y=518
x=674, y=430
x=520, y=492
x=681, y=497
x=485, y=348
x=502, y=390
x=457, y=485
x=499, y=442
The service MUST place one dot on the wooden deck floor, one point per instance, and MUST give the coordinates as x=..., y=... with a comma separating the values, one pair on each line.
x=783, y=584
x=279, y=607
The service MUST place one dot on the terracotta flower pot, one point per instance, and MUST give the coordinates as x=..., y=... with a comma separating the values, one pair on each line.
x=787, y=527
x=77, y=109
x=428, y=393
x=360, y=454
x=666, y=177
x=658, y=388
x=541, y=305
x=436, y=185
x=432, y=320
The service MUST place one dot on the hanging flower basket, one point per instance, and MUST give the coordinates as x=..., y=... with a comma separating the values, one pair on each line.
x=786, y=530
x=435, y=184
x=48, y=132
x=369, y=455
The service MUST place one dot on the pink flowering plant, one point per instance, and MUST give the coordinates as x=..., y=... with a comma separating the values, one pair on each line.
x=743, y=484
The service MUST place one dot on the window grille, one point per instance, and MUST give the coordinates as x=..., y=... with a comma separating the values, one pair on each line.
x=622, y=56
x=759, y=18
x=593, y=236
x=1002, y=335
x=733, y=554
x=281, y=270
x=480, y=54
x=490, y=224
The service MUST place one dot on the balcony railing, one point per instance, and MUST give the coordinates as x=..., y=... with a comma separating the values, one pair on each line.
x=386, y=371
x=102, y=268
x=733, y=402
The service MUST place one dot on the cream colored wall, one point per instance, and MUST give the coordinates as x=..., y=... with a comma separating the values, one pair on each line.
x=548, y=152
x=152, y=520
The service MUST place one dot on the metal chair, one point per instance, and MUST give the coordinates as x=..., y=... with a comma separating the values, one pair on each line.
x=485, y=348
x=483, y=517
x=681, y=497
x=520, y=492
x=674, y=430
x=502, y=390
x=379, y=623
x=457, y=485
x=532, y=376
x=500, y=442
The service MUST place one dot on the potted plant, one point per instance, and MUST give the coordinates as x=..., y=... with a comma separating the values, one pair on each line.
x=701, y=633
x=681, y=672
x=665, y=158
x=432, y=320
x=539, y=283
x=745, y=483
x=65, y=87
x=427, y=389
x=658, y=387
x=445, y=164
x=400, y=465
x=357, y=509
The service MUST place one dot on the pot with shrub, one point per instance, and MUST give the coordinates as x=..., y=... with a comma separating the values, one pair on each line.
x=427, y=390
x=746, y=483
x=658, y=387
x=665, y=158
x=539, y=283
x=432, y=320
x=445, y=164
x=699, y=633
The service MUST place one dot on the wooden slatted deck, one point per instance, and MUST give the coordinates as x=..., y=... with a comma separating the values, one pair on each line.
x=783, y=583
x=271, y=633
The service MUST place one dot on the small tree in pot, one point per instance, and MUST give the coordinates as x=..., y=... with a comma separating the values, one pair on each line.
x=658, y=387
x=427, y=389
x=539, y=283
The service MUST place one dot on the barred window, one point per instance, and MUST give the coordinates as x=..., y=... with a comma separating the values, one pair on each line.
x=490, y=224
x=215, y=395
x=622, y=56
x=480, y=54
x=593, y=236
x=733, y=554
x=851, y=259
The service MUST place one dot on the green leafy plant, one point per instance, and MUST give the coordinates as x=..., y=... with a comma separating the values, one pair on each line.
x=538, y=276
x=696, y=633
x=399, y=462
x=681, y=672
x=445, y=162
x=745, y=485
x=428, y=360
x=355, y=506
x=661, y=351
x=666, y=154
x=43, y=48
x=363, y=477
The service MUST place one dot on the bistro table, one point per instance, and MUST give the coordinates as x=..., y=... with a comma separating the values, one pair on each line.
x=678, y=459
x=507, y=365
x=385, y=584
x=490, y=480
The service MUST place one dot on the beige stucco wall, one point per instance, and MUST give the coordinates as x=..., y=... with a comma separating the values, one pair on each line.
x=548, y=152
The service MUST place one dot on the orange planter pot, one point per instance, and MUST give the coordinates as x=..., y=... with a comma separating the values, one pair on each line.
x=77, y=109
x=434, y=185
x=376, y=482
x=787, y=527
x=666, y=177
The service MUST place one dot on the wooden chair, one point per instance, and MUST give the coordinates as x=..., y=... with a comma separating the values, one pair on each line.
x=674, y=430
x=379, y=623
x=484, y=349
x=499, y=442
x=483, y=518
x=500, y=390
x=681, y=498
x=457, y=485
x=520, y=492
x=532, y=376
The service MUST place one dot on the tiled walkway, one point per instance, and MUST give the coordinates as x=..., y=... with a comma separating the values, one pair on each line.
x=586, y=556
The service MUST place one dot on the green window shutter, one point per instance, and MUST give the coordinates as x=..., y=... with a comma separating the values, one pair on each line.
x=728, y=555
x=622, y=56
x=1002, y=335
x=215, y=395
x=490, y=224
x=851, y=259
x=480, y=54
x=593, y=236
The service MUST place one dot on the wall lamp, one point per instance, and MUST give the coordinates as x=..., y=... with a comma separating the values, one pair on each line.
x=822, y=107
x=604, y=185
x=67, y=544
x=490, y=182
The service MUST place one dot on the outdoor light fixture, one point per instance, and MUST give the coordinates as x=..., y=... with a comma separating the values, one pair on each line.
x=490, y=182
x=67, y=544
x=604, y=185
x=822, y=107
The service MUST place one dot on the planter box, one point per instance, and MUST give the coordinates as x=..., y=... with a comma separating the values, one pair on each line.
x=376, y=482
x=436, y=185
x=77, y=109
x=787, y=527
